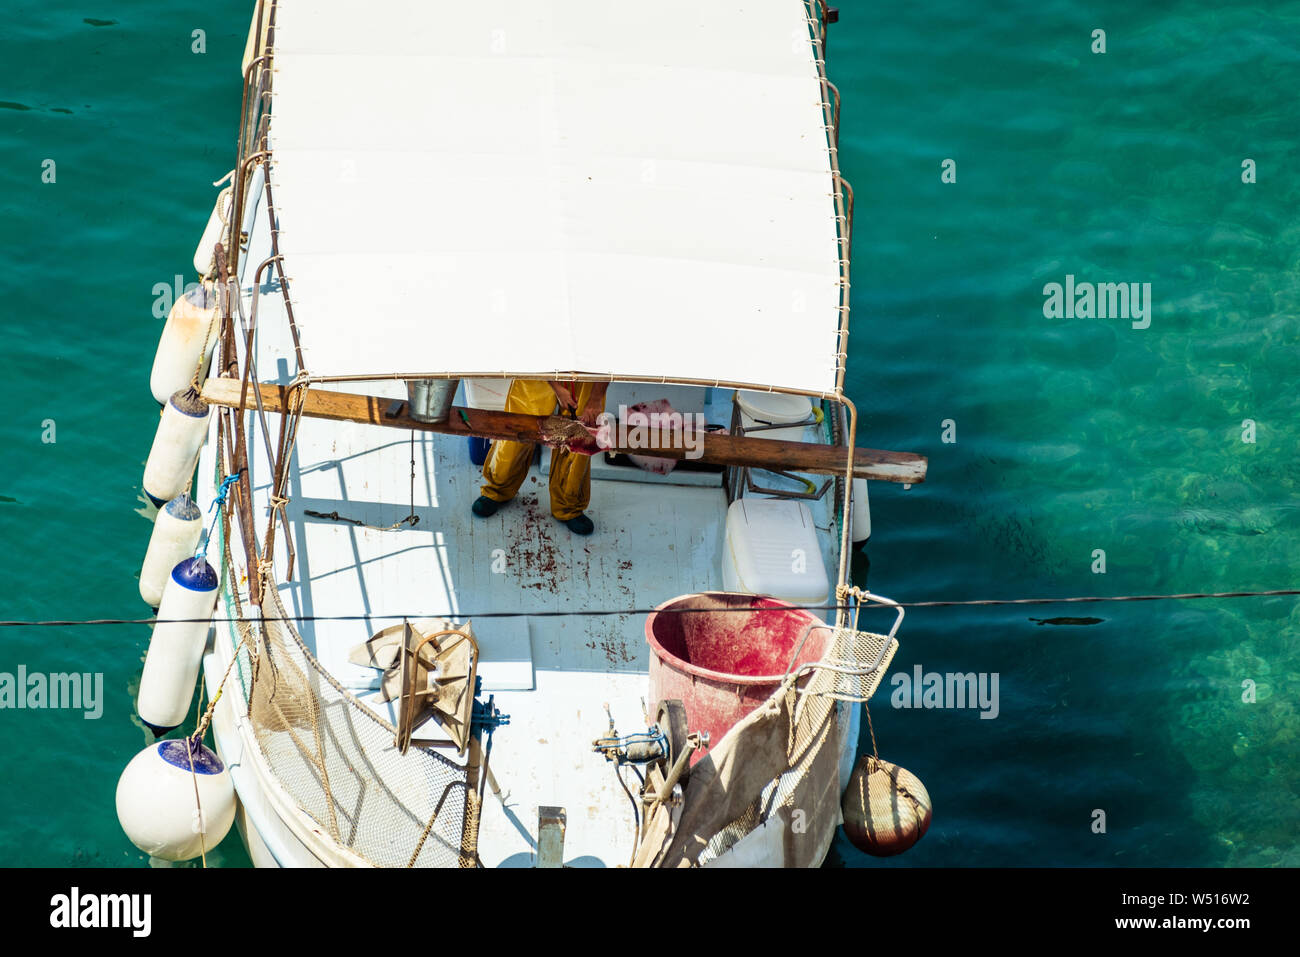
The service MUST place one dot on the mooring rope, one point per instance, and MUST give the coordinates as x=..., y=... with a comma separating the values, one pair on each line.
x=216, y=506
x=198, y=803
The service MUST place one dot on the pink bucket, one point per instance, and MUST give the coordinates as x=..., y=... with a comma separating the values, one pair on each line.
x=723, y=654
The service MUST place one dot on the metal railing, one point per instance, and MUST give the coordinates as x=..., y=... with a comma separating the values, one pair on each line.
x=819, y=17
x=842, y=192
x=253, y=150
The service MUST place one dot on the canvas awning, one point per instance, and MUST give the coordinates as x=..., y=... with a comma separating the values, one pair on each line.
x=533, y=186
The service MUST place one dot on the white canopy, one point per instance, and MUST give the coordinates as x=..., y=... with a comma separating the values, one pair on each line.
x=626, y=187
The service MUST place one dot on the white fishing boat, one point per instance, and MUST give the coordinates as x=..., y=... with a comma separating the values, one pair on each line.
x=436, y=200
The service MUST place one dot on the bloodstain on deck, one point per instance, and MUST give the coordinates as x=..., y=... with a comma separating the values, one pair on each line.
x=539, y=562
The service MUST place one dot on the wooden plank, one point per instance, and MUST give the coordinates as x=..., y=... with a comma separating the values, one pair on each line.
x=714, y=448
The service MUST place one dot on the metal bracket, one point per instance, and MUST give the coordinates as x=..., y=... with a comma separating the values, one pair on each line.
x=551, y=823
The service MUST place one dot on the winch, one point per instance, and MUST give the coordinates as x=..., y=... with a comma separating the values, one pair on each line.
x=665, y=748
x=637, y=748
x=663, y=741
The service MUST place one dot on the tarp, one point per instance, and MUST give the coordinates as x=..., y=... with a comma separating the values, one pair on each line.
x=774, y=771
x=538, y=186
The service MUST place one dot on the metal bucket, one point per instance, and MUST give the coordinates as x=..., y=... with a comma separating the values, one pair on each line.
x=431, y=399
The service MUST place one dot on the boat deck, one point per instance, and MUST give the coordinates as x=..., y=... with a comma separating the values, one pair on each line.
x=552, y=669
x=652, y=542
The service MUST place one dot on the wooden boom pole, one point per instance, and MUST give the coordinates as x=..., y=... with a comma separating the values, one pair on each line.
x=715, y=448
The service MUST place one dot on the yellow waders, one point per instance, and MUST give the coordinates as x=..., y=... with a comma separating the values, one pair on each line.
x=507, y=464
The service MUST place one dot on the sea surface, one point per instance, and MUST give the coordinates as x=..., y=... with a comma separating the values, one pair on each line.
x=1163, y=734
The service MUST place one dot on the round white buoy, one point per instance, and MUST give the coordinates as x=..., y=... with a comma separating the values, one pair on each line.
x=171, y=666
x=861, y=530
x=886, y=808
x=175, y=536
x=188, y=338
x=157, y=805
x=182, y=430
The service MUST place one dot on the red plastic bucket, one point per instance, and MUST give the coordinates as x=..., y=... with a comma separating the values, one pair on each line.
x=723, y=654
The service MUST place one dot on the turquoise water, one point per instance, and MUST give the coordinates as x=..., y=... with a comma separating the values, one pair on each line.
x=1071, y=434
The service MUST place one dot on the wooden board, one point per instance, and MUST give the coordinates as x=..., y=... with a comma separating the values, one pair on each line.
x=720, y=449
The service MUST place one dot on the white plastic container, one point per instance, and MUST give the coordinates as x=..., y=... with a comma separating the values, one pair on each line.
x=489, y=394
x=774, y=408
x=771, y=548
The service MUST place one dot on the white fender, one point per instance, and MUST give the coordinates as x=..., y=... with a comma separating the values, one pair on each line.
x=175, y=537
x=171, y=666
x=182, y=430
x=861, y=512
x=159, y=809
x=187, y=341
x=205, y=260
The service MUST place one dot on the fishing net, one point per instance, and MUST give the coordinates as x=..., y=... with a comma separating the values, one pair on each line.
x=337, y=761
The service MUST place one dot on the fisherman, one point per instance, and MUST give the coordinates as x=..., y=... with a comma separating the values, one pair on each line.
x=570, y=481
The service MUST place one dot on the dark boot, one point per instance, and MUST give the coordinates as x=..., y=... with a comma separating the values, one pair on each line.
x=484, y=506
x=580, y=525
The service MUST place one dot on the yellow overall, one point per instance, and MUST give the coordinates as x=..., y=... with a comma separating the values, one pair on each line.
x=507, y=464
